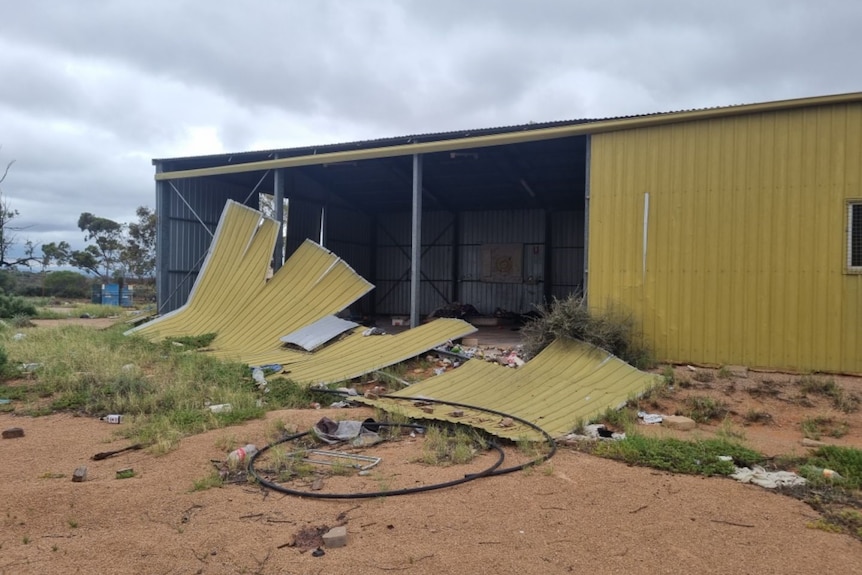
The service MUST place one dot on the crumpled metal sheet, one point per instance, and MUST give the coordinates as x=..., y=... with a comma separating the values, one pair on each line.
x=568, y=382
x=233, y=299
x=316, y=334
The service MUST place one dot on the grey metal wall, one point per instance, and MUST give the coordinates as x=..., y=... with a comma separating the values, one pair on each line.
x=525, y=227
x=475, y=230
x=348, y=234
x=188, y=213
x=567, y=253
x=303, y=222
x=392, y=278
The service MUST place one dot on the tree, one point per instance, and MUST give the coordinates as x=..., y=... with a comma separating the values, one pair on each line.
x=7, y=230
x=118, y=249
x=139, y=251
x=103, y=256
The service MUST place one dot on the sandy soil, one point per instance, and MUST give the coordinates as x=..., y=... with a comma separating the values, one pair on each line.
x=575, y=514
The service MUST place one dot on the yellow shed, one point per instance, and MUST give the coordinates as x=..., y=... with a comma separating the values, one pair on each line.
x=734, y=235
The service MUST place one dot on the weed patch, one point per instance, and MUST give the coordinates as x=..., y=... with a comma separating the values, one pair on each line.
x=816, y=427
x=703, y=408
x=611, y=330
x=691, y=457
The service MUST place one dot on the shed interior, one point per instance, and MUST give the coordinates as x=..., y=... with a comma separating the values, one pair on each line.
x=503, y=227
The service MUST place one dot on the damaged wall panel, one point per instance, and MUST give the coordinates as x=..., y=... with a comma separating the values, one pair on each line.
x=570, y=381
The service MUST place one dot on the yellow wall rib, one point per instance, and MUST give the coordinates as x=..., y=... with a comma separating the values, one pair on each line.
x=746, y=233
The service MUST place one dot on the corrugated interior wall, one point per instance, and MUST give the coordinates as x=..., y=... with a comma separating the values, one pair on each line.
x=393, y=262
x=567, y=253
x=185, y=232
x=526, y=227
x=348, y=235
x=303, y=222
x=745, y=238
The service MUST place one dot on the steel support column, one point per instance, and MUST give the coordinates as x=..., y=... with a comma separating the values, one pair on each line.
x=416, y=252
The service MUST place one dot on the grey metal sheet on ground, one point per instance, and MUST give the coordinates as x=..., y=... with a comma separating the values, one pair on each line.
x=316, y=334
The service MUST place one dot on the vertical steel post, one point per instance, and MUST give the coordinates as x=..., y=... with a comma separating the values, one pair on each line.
x=278, y=198
x=416, y=254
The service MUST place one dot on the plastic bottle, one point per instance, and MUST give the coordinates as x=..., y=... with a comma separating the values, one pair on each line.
x=239, y=455
x=113, y=418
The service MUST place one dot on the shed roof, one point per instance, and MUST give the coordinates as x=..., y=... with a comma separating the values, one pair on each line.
x=527, y=166
x=461, y=140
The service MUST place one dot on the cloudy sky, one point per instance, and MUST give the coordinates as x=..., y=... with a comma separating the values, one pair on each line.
x=91, y=91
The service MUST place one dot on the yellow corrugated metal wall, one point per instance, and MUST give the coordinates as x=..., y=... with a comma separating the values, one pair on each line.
x=746, y=237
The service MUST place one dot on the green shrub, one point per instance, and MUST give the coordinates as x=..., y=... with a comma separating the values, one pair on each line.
x=11, y=307
x=611, y=330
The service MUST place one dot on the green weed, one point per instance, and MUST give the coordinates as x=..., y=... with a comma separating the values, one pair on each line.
x=210, y=481
x=703, y=408
x=612, y=329
x=692, y=457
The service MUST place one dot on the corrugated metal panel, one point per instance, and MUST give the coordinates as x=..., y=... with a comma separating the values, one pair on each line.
x=503, y=227
x=303, y=223
x=185, y=232
x=569, y=382
x=357, y=355
x=312, y=336
x=233, y=299
x=249, y=314
x=526, y=227
x=519, y=135
x=745, y=237
x=393, y=262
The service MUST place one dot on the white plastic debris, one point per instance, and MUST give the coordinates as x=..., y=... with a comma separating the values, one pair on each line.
x=650, y=418
x=18, y=336
x=257, y=376
x=768, y=479
x=220, y=408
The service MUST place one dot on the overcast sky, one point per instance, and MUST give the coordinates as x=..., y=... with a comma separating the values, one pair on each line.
x=91, y=91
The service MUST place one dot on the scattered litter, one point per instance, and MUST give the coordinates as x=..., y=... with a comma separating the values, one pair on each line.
x=324, y=457
x=595, y=432
x=347, y=390
x=439, y=370
x=85, y=316
x=129, y=367
x=107, y=454
x=4, y=401
x=725, y=458
x=257, y=376
x=79, y=475
x=373, y=331
x=650, y=418
x=361, y=433
x=318, y=552
x=239, y=455
x=336, y=537
x=768, y=479
x=339, y=404
x=220, y=407
x=18, y=336
x=30, y=367
x=13, y=433
x=826, y=473
x=691, y=368
x=125, y=473
x=112, y=418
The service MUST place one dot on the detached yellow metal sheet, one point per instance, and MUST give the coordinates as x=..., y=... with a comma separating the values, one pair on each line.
x=357, y=355
x=569, y=381
x=249, y=314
